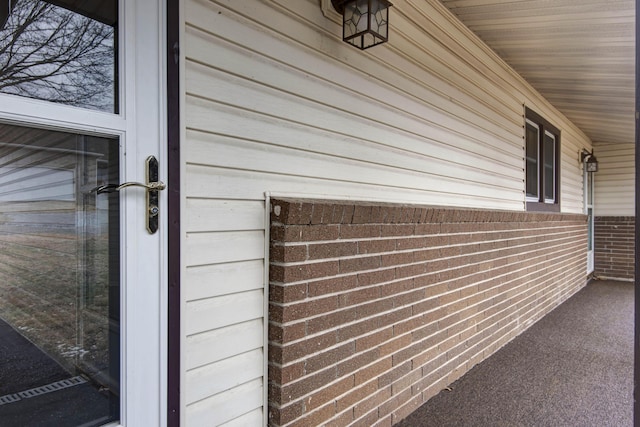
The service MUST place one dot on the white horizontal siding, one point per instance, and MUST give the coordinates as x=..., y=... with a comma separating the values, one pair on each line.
x=212, y=346
x=220, y=247
x=224, y=215
x=275, y=102
x=615, y=179
x=571, y=177
x=237, y=402
x=223, y=375
x=253, y=418
x=326, y=129
x=245, y=154
x=213, y=313
x=221, y=279
x=231, y=183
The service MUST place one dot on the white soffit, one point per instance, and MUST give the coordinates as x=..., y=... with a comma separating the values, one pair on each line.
x=580, y=54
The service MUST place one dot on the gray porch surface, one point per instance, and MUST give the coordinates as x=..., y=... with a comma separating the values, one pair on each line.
x=574, y=367
x=25, y=368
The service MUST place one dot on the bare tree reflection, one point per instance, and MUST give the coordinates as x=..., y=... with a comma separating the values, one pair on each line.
x=51, y=53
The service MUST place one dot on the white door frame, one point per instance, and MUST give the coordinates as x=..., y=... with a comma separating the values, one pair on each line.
x=145, y=303
x=589, y=201
x=141, y=129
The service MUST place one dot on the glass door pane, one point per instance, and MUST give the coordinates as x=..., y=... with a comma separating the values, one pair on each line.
x=59, y=279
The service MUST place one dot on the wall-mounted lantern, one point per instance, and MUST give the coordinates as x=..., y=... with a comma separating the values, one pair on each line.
x=589, y=160
x=365, y=23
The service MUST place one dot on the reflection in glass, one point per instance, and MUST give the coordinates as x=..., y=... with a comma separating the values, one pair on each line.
x=62, y=51
x=59, y=278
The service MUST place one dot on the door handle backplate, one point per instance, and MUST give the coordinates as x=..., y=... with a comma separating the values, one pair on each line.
x=152, y=186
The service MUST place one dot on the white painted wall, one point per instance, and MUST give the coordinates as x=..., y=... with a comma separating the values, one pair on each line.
x=274, y=101
x=615, y=179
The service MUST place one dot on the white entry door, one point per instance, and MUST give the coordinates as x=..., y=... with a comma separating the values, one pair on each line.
x=588, y=198
x=82, y=282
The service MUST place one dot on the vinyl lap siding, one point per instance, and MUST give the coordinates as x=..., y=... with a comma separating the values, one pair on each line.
x=615, y=180
x=276, y=102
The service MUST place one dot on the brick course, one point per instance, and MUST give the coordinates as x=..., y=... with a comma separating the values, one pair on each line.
x=374, y=308
x=614, y=247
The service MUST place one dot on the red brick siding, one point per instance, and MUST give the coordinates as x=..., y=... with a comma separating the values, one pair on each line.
x=614, y=247
x=375, y=308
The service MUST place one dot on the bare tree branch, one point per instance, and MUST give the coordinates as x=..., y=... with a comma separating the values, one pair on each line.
x=51, y=53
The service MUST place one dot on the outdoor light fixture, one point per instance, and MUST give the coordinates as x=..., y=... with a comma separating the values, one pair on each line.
x=589, y=160
x=365, y=23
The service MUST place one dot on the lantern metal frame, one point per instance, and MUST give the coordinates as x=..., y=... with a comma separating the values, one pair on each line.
x=589, y=160
x=367, y=37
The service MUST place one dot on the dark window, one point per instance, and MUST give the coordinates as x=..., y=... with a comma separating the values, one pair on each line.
x=542, y=149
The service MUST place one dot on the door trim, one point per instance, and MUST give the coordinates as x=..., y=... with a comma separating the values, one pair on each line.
x=589, y=194
x=174, y=267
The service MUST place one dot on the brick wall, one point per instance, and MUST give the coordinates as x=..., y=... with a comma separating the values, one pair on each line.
x=614, y=247
x=376, y=308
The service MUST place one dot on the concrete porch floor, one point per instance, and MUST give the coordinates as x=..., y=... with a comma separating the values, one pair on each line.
x=574, y=367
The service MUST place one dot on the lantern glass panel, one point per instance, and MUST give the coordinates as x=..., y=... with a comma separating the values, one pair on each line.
x=365, y=22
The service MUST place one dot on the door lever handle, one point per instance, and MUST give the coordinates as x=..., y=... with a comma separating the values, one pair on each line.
x=156, y=186
x=112, y=188
x=106, y=188
x=152, y=186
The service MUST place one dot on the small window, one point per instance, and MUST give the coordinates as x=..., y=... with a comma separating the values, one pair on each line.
x=542, y=148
